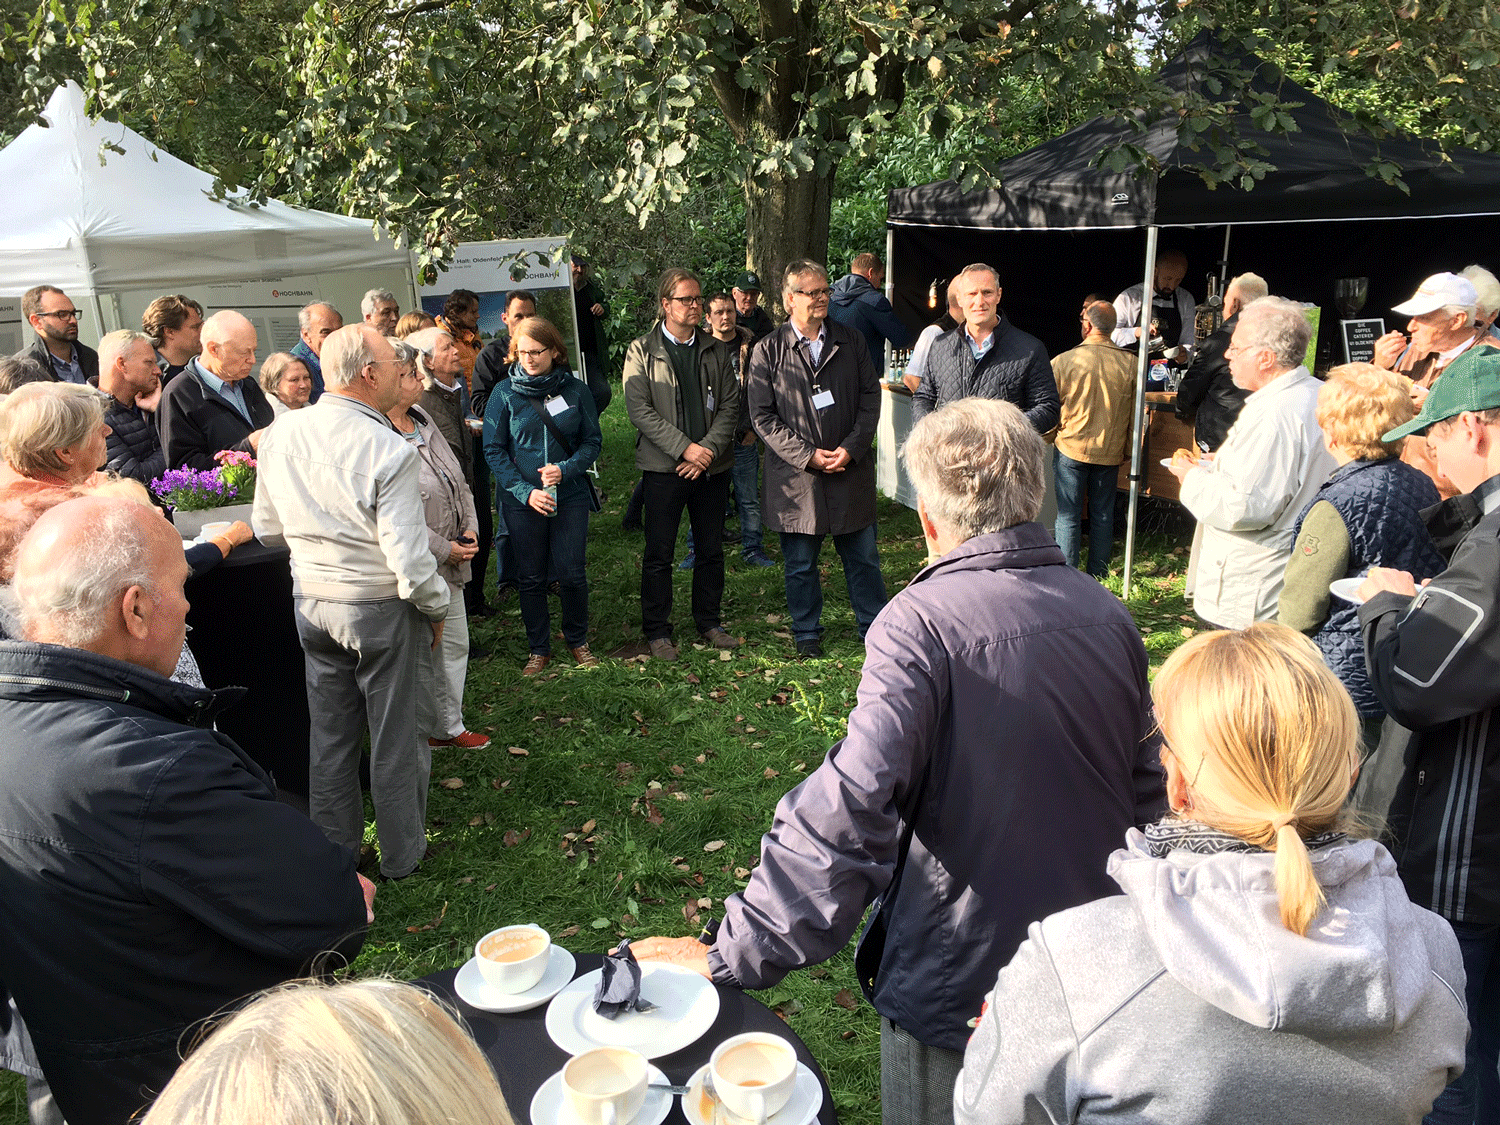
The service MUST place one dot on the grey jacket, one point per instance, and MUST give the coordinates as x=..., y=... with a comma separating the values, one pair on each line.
x=999, y=749
x=654, y=403
x=1187, y=1001
x=781, y=385
x=447, y=502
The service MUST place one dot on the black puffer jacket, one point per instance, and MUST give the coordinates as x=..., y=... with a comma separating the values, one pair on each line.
x=1207, y=396
x=149, y=874
x=133, y=446
x=1015, y=369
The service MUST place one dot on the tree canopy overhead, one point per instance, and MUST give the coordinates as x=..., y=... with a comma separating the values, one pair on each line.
x=458, y=119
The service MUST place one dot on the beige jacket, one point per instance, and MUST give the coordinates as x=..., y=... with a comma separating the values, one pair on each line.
x=1247, y=501
x=1096, y=383
x=655, y=407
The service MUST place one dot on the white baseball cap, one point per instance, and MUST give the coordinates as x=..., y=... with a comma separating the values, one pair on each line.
x=1437, y=291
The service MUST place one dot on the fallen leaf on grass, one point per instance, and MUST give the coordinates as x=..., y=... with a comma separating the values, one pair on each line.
x=701, y=758
x=434, y=924
x=682, y=867
x=817, y=972
x=599, y=923
x=518, y=751
x=845, y=999
x=773, y=619
x=744, y=873
x=678, y=771
x=452, y=783
x=726, y=656
x=739, y=718
x=680, y=797
x=787, y=1008
x=570, y=802
x=466, y=880
x=713, y=845
x=476, y=821
x=627, y=919
x=512, y=837
x=705, y=903
x=768, y=772
x=850, y=1034
x=690, y=913
x=571, y=931
x=589, y=826
x=692, y=678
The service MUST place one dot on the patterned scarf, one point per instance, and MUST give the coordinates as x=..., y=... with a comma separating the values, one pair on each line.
x=1171, y=835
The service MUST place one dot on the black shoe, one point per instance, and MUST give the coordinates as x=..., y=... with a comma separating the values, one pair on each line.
x=477, y=652
x=480, y=609
x=631, y=523
x=506, y=595
x=810, y=649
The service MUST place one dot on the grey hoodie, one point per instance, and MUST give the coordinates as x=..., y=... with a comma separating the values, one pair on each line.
x=1187, y=1001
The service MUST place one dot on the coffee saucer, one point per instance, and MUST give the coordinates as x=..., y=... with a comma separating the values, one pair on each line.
x=479, y=993
x=800, y=1109
x=1347, y=589
x=550, y=1106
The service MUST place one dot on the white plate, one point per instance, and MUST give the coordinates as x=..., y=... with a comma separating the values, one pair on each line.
x=686, y=1007
x=1344, y=588
x=1203, y=462
x=479, y=993
x=550, y=1107
x=800, y=1108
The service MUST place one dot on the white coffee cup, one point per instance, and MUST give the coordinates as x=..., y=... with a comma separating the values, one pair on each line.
x=513, y=958
x=606, y=1086
x=219, y=527
x=754, y=1074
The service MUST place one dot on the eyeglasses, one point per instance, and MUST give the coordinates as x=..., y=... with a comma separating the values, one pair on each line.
x=687, y=300
x=528, y=353
x=813, y=294
x=65, y=314
x=1232, y=351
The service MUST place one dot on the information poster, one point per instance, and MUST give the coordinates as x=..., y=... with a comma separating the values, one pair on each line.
x=494, y=270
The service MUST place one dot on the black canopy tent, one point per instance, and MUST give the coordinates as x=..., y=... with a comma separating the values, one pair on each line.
x=1059, y=227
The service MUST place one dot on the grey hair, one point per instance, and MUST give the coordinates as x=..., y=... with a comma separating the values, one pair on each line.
x=1277, y=324
x=980, y=267
x=38, y=419
x=348, y=357
x=798, y=269
x=117, y=343
x=1250, y=287
x=372, y=298
x=405, y=353
x=20, y=369
x=423, y=343
x=70, y=592
x=1470, y=312
x=1486, y=288
x=273, y=370
x=304, y=314
x=978, y=466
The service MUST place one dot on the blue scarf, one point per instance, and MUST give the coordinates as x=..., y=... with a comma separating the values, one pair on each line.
x=538, y=386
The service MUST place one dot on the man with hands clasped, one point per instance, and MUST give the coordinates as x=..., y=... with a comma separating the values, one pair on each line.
x=682, y=395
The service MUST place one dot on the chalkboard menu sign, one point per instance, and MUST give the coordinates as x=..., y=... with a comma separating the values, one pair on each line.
x=1359, y=338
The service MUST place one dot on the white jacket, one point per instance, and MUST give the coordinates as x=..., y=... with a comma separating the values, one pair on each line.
x=341, y=489
x=1248, y=499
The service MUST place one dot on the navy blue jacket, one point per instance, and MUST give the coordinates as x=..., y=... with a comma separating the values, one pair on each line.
x=859, y=305
x=1015, y=369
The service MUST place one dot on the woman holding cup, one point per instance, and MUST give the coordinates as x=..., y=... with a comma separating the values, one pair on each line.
x=541, y=434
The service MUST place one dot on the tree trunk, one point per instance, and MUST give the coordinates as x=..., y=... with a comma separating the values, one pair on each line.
x=786, y=218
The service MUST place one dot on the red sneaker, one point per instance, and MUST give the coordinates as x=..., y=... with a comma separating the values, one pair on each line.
x=468, y=740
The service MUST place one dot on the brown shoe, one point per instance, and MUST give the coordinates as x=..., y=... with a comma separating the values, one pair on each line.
x=718, y=637
x=535, y=663
x=663, y=649
x=585, y=658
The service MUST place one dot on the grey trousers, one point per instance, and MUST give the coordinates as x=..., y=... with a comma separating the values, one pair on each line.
x=362, y=674
x=916, y=1081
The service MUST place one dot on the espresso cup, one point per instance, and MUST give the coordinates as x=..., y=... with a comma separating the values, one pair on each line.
x=513, y=958
x=754, y=1074
x=218, y=527
x=606, y=1086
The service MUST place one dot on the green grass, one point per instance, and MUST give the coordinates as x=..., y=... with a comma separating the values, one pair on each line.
x=644, y=788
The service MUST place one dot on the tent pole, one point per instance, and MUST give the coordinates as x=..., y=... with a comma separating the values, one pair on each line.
x=1137, y=428
x=1224, y=260
x=890, y=283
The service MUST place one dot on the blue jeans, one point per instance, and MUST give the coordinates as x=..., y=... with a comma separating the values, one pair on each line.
x=546, y=545
x=804, y=593
x=1075, y=480
x=1474, y=1099
x=746, y=475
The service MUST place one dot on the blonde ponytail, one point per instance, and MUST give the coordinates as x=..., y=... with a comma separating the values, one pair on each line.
x=1270, y=738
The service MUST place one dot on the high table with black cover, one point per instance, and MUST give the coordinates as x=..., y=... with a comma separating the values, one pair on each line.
x=524, y=1056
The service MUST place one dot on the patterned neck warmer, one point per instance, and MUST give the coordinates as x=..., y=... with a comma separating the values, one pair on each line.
x=1172, y=834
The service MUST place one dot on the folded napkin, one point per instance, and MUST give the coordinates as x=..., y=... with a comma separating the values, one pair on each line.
x=620, y=984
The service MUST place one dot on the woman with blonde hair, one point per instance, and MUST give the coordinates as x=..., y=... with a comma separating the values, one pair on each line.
x=1368, y=513
x=52, y=435
x=374, y=1052
x=1263, y=964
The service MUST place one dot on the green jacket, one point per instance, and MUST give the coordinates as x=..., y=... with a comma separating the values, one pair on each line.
x=655, y=406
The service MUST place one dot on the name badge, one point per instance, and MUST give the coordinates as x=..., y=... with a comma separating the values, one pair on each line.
x=557, y=405
x=823, y=400
x=710, y=402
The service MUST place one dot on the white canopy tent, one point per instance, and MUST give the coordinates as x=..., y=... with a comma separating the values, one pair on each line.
x=97, y=210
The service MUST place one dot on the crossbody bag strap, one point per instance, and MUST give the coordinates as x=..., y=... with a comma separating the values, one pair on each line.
x=547, y=421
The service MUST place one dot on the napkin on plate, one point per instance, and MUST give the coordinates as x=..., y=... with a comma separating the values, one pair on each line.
x=620, y=984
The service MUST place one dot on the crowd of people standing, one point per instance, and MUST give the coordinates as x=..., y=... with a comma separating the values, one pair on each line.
x=1261, y=944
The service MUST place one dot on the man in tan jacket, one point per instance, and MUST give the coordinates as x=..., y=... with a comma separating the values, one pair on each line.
x=682, y=395
x=1095, y=381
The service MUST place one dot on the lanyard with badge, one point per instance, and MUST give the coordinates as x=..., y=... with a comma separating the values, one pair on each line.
x=556, y=405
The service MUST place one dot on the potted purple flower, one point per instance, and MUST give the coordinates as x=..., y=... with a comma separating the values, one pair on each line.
x=199, y=496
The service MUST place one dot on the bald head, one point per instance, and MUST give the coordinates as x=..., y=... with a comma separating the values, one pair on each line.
x=104, y=574
x=1171, y=268
x=228, y=345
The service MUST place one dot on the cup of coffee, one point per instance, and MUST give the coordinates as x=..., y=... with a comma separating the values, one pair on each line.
x=606, y=1086
x=754, y=1074
x=513, y=958
x=218, y=527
